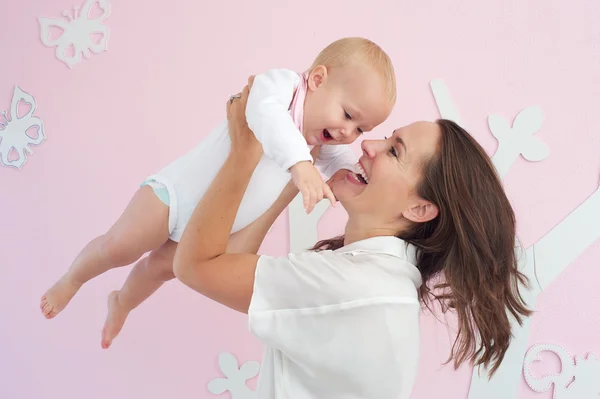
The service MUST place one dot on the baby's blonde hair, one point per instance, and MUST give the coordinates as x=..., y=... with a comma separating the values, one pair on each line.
x=351, y=50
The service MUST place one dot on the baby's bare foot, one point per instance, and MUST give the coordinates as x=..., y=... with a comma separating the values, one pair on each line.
x=58, y=296
x=117, y=314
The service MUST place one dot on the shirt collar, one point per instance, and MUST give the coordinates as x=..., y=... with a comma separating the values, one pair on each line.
x=388, y=245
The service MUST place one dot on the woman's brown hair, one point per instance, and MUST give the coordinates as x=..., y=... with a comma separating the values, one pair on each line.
x=470, y=245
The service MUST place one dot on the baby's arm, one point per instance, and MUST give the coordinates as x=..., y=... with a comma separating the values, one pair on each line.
x=268, y=116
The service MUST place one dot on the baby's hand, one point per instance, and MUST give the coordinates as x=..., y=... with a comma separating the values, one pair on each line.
x=337, y=176
x=308, y=180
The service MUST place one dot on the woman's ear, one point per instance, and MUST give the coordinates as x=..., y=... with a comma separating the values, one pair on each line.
x=317, y=77
x=421, y=212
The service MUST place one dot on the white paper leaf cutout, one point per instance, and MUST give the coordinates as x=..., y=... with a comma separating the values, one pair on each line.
x=534, y=149
x=218, y=385
x=529, y=121
x=579, y=379
x=77, y=32
x=228, y=364
x=235, y=381
x=499, y=126
x=249, y=369
x=13, y=130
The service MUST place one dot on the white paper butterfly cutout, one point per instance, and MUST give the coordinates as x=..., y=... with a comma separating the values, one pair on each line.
x=235, y=381
x=77, y=31
x=13, y=130
x=518, y=139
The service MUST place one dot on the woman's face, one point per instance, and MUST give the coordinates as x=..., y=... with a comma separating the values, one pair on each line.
x=383, y=185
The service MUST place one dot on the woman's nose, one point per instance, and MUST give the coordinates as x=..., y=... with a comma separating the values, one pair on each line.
x=369, y=147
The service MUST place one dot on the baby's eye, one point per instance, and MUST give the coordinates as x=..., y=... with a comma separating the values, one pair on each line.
x=347, y=115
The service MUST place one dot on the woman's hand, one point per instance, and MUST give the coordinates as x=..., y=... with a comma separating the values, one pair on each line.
x=243, y=141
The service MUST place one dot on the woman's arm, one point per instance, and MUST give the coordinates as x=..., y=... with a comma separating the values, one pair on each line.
x=200, y=260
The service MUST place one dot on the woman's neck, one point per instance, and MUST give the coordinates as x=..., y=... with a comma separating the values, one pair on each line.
x=356, y=231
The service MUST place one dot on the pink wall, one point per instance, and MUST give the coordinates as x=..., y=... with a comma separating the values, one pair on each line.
x=162, y=86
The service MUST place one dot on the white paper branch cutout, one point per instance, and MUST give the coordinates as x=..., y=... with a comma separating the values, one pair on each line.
x=518, y=139
x=303, y=227
x=77, y=32
x=13, y=130
x=235, y=381
x=444, y=101
x=579, y=379
x=549, y=257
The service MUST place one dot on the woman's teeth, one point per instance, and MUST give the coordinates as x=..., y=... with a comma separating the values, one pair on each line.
x=360, y=174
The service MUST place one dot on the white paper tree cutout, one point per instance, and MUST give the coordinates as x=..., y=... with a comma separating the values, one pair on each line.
x=303, y=227
x=542, y=263
x=77, y=31
x=235, y=381
x=518, y=139
x=579, y=379
x=13, y=130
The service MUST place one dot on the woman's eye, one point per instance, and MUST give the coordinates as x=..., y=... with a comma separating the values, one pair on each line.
x=392, y=150
x=347, y=115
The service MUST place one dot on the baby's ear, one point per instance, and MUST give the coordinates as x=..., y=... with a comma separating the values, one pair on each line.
x=317, y=77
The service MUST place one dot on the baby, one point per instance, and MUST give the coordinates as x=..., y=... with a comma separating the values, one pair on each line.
x=349, y=89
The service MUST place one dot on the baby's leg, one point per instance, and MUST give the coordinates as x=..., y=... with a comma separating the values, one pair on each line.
x=146, y=277
x=143, y=226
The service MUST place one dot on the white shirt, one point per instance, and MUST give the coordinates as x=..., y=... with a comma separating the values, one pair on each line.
x=340, y=324
x=275, y=115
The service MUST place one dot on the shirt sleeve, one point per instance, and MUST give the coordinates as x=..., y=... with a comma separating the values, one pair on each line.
x=332, y=158
x=293, y=281
x=268, y=116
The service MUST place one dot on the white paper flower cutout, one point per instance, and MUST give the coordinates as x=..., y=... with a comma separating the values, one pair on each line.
x=235, y=381
x=579, y=379
x=518, y=139
x=77, y=31
x=14, y=129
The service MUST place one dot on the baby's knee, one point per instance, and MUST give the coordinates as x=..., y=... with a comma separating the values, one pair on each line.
x=161, y=264
x=117, y=250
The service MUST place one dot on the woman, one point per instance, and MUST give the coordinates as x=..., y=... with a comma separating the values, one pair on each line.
x=342, y=321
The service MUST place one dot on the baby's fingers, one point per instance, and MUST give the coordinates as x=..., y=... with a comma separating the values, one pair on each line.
x=327, y=193
x=314, y=198
x=305, y=197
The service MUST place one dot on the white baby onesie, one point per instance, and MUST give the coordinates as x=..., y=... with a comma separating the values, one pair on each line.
x=274, y=113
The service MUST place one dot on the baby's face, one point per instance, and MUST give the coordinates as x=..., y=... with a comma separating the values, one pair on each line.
x=343, y=103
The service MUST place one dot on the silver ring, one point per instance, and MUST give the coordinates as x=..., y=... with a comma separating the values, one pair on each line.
x=233, y=97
